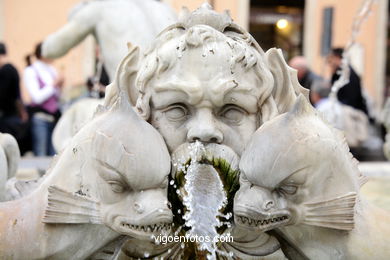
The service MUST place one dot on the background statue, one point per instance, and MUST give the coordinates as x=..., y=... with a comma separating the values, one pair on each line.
x=78, y=114
x=9, y=159
x=306, y=185
x=386, y=123
x=113, y=23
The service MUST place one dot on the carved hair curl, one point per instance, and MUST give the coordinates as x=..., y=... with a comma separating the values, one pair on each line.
x=194, y=32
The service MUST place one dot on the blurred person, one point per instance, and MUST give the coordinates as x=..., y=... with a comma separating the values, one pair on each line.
x=13, y=115
x=319, y=94
x=351, y=93
x=306, y=77
x=43, y=84
x=96, y=84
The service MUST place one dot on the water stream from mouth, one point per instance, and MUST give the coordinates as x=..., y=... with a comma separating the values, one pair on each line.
x=205, y=197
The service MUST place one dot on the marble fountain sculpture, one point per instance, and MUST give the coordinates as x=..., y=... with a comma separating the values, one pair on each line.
x=113, y=23
x=162, y=157
x=219, y=103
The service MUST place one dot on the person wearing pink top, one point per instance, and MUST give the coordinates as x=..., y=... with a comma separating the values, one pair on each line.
x=43, y=83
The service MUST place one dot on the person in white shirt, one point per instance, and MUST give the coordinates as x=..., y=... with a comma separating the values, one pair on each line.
x=43, y=83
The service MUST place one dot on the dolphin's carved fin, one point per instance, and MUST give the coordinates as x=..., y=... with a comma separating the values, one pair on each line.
x=70, y=208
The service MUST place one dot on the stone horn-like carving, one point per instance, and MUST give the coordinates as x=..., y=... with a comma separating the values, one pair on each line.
x=114, y=172
x=298, y=177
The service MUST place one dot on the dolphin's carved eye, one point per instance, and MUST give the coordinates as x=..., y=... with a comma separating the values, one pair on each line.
x=117, y=186
x=288, y=189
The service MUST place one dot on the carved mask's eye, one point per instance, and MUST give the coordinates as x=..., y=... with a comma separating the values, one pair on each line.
x=288, y=189
x=117, y=186
x=233, y=114
x=176, y=112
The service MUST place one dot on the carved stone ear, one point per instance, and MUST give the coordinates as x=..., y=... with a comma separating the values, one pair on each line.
x=124, y=81
x=286, y=85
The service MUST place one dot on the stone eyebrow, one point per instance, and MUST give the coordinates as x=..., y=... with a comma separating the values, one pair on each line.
x=193, y=90
x=185, y=86
x=112, y=173
x=296, y=171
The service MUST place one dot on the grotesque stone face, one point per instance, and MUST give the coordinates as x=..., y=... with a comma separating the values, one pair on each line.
x=288, y=186
x=131, y=191
x=118, y=186
x=200, y=98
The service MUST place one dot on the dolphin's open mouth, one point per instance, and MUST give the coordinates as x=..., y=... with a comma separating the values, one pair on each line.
x=262, y=224
x=142, y=228
x=148, y=228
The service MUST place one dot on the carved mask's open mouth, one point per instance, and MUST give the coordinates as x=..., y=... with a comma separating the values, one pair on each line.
x=262, y=224
x=219, y=157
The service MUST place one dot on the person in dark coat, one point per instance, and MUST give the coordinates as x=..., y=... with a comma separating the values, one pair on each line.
x=13, y=115
x=351, y=93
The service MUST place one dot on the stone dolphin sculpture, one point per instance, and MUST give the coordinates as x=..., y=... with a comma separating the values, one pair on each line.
x=111, y=180
x=299, y=178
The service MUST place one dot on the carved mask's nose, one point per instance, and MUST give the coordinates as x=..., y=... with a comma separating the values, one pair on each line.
x=204, y=128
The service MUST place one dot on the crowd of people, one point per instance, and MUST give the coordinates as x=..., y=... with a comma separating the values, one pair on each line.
x=31, y=125
x=348, y=110
x=350, y=94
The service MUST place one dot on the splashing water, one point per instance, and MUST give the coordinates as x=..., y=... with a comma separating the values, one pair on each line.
x=205, y=197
